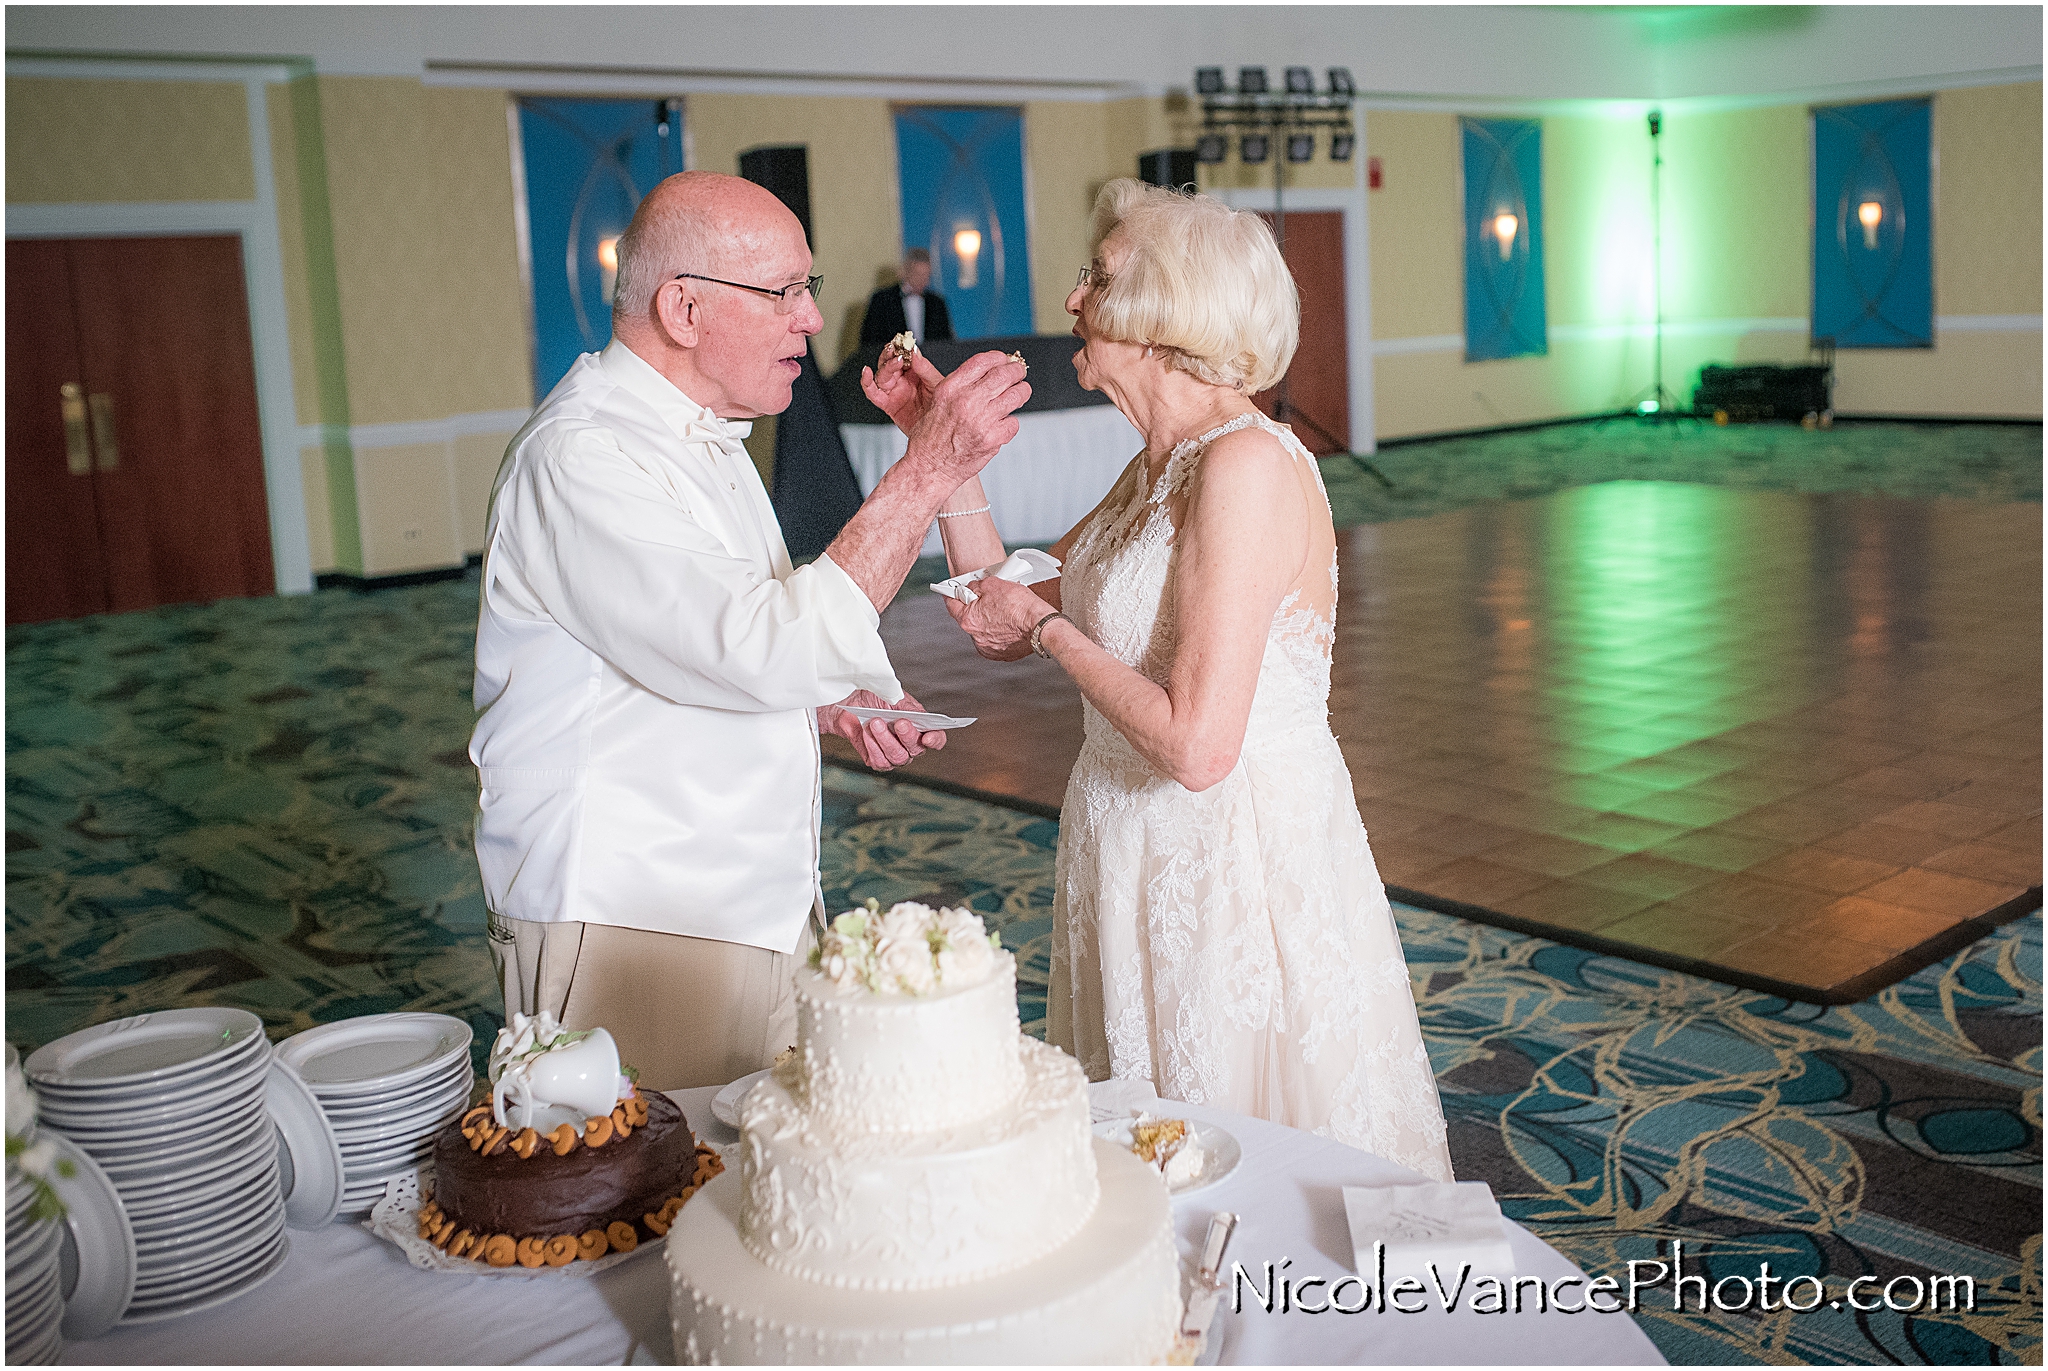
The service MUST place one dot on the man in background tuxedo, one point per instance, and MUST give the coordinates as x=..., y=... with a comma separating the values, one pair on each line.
x=908, y=306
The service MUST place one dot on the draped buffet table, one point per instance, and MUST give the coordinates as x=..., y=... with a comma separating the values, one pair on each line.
x=345, y=1296
x=1070, y=447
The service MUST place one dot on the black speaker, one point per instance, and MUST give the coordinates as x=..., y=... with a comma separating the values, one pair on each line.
x=1169, y=167
x=786, y=173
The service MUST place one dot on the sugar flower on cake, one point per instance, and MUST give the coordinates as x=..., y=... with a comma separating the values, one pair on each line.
x=912, y=949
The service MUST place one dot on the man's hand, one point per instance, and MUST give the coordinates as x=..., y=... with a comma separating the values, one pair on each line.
x=901, y=386
x=881, y=743
x=970, y=417
x=1001, y=618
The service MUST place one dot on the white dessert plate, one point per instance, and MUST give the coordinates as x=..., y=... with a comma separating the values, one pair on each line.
x=425, y=1117
x=1220, y=1152
x=1026, y=566
x=310, y=1146
x=25, y=1252
x=376, y=1053
x=99, y=1259
x=235, y=1291
x=923, y=718
x=232, y=1120
x=725, y=1105
x=139, y=1051
x=368, y=1107
x=158, y=1102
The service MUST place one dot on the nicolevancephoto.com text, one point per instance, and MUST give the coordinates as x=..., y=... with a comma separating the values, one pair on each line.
x=1273, y=1291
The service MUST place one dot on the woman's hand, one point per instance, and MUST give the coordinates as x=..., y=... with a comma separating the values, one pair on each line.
x=901, y=387
x=1001, y=618
x=881, y=743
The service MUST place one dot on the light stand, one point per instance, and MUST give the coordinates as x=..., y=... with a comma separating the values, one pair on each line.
x=1273, y=116
x=1654, y=403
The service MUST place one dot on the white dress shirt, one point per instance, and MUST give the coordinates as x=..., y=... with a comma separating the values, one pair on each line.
x=913, y=314
x=647, y=663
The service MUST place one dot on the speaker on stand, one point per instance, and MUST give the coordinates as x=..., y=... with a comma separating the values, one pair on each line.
x=786, y=173
x=814, y=490
x=1169, y=167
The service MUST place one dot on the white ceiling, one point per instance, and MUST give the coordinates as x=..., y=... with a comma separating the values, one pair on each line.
x=1443, y=52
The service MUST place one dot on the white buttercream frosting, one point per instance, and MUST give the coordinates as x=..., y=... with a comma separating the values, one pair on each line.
x=889, y=1211
x=1109, y=1296
x=897, y=1064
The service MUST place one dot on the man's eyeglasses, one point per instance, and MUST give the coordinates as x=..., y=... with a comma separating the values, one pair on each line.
x=786, y=299
x=1092, y=277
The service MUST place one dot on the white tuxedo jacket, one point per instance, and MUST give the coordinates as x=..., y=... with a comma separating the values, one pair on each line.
x=647, y=664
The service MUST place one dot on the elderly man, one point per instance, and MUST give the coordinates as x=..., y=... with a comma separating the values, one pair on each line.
x=652, y=675
x=910, y=306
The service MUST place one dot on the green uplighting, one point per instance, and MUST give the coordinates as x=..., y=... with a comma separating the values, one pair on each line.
x=1647, y=407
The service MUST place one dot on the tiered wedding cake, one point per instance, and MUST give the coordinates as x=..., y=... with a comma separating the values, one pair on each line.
x=918, y=1183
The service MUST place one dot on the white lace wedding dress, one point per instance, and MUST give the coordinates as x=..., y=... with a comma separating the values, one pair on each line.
x=1232, y=946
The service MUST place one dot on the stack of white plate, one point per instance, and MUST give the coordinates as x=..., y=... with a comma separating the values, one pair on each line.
x=387, y=1084
x=173, y=1108
x=35, y=1304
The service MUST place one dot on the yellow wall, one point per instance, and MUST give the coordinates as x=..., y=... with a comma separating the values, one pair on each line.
x=1987, y=260
x=1737, y=280
x=855, y=210
x=73, y=141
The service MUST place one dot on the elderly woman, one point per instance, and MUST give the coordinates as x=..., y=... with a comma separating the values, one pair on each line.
x=1219, y=927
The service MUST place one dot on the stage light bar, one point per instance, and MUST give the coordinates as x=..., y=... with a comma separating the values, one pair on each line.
x=1251, y=80
x=1301, y=147
x=1342, y=145
x=1340, y=82
x=1210, y=148
x=1254, y=147
x=1208, y=80
x=1301, y=81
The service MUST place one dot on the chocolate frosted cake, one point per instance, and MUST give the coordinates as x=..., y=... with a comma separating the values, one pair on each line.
x=524, y=1179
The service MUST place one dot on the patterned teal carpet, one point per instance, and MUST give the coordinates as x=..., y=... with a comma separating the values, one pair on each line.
x=265, y=803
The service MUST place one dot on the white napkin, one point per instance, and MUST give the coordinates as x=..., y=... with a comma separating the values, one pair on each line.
x=1448, y=1224
x=1026, y=566
x=1120, y=1099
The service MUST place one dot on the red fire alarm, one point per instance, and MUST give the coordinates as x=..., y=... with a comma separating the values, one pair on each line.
x=1372, y=173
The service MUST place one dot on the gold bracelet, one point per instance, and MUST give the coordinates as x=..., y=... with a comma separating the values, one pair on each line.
x=1037, y=629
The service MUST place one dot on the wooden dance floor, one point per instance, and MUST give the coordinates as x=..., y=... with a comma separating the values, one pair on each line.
x=1787, y=741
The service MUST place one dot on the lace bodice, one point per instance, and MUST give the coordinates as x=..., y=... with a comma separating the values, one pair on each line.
x=1233, y=945
x=1118, y=587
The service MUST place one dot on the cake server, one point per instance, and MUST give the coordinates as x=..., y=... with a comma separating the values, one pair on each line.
x=1208, y=1287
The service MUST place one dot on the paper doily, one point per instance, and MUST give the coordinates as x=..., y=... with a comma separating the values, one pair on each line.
x=396, y=1220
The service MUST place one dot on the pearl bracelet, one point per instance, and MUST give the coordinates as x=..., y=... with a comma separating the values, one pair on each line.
x=961, y=513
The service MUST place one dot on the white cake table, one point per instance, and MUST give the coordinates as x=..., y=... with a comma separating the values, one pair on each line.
x=345, y=1297
x=1044, y=481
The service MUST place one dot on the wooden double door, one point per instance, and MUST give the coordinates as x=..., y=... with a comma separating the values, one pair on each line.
x=134, y=451
x=1319, y=381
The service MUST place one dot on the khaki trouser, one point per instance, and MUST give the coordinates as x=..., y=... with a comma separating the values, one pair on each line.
x=684, y=1011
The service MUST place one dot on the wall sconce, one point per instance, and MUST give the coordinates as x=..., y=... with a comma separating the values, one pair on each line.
x=1870, y=214
x=1504, y=226
x=967, y=247
x=608, y=262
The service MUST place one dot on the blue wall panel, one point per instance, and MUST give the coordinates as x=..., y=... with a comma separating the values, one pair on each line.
x=587, y=163
x=1504, y=315
x=1873, y=284
x=964, y=169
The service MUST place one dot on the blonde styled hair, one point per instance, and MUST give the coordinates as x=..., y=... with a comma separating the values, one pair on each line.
x=1201, y=280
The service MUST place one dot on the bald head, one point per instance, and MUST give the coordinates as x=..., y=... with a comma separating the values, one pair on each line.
x=698, y=221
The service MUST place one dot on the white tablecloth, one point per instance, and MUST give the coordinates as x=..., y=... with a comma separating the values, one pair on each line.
x=1058, y=467
x=345, y=1297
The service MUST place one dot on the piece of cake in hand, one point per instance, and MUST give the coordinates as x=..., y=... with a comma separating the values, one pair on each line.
x=569, y=1160
x=902, y=345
